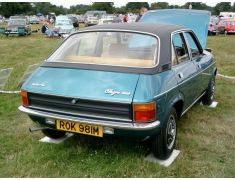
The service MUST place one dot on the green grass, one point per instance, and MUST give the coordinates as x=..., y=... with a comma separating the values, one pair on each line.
x=224, y=52
x=205, y=136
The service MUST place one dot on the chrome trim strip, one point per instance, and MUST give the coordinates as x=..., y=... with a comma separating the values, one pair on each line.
x=117, y=125
x=79, y=114
x=117, y=30
x=192, y=103
x=183, y=81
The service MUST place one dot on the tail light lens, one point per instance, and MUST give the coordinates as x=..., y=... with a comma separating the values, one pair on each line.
x=144, y=112
x=24, y=98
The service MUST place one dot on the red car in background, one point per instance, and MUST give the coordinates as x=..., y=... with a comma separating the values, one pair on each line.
x=226, y=25
x=230, y=26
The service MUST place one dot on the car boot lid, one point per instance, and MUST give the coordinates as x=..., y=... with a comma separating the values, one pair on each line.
x=84, y=84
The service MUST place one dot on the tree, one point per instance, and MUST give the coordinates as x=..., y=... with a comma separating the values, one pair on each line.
x=8, y=9
x=120, y=10
x=174, y=7
x=103, y=6
x=160, y=5
x=222, y=7
x=80, y=9
x=135, y=6
x=46, y=7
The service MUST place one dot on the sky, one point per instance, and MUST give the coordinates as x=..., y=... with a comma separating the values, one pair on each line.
x=118, y=3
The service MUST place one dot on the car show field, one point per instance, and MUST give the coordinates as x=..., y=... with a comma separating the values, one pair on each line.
x=205, y=135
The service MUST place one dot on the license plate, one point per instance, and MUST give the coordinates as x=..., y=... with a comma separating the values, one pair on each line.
x=81, y=128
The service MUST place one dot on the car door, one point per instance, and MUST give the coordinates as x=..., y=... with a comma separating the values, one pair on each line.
x=200, y=60
x=185, y=69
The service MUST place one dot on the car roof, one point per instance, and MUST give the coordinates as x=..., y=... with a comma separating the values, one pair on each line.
x=160, y=30
x=18, y=17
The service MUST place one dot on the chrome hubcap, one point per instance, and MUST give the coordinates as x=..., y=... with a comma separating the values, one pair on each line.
x=171, y=132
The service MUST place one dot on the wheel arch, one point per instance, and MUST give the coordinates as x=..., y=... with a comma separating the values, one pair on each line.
x=176, y=102
x=178, y=105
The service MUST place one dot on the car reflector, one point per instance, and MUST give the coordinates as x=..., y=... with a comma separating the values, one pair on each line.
x=24, y=98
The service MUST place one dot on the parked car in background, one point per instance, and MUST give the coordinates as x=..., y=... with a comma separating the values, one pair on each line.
x=132, y=18
x=130, y=80
x=34, y=20
x=91, y=20
x=106, y=20
x=117, y=19
x=81, y=18
x=229, y=26
x=6, y=20
x=18, y=25
x=63, y=25
x=92, y=17
x=227, y=15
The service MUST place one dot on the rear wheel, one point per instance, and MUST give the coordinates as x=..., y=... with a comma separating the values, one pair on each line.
x=54, y=134
x=164, y=143
x=208, y=98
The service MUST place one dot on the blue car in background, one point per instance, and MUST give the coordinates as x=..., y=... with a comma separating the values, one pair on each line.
x=130, y=80
x=63, y=25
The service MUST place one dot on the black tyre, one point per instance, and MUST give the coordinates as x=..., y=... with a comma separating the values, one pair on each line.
x=54, y=134
x=208, y=98
x=164, y=143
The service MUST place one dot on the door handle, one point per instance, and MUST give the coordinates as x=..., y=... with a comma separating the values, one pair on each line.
x=180, y=75
x=199, y=66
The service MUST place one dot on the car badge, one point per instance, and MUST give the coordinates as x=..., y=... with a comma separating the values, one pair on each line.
x=38, y=84
x=113, y=92
x=74, y=101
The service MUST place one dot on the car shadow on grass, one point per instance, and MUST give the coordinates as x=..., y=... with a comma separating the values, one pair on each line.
x=109, y=144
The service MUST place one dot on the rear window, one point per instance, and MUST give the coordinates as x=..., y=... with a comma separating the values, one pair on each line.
x=109, y=48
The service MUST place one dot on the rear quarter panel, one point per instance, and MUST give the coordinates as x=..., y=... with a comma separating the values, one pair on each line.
x=157, y=88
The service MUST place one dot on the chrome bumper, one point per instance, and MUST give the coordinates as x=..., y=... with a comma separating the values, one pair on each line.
x=117, y=125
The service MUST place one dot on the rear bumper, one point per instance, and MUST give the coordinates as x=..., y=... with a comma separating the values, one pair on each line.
x=116, y=125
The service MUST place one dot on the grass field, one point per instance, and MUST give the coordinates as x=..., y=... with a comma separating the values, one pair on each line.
x=206, y=137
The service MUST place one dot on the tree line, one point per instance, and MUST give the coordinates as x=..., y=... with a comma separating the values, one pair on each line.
x=16, y=8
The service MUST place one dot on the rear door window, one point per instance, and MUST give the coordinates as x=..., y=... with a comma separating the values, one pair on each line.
x=193, y=46
x=180, y=47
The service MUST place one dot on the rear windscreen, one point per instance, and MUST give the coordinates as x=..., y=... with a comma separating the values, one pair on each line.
x=108, y=48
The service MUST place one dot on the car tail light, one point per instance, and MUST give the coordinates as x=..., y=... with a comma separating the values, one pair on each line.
x=144, y=112
x=24, y=98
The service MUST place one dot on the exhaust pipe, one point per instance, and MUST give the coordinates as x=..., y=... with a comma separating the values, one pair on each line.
x=36, y=129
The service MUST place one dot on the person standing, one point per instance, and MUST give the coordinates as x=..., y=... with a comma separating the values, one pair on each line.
x=142, y=11
x=125, y=18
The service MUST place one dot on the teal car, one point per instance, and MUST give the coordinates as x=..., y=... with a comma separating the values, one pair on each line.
x=130, y=80
x=63, y=25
